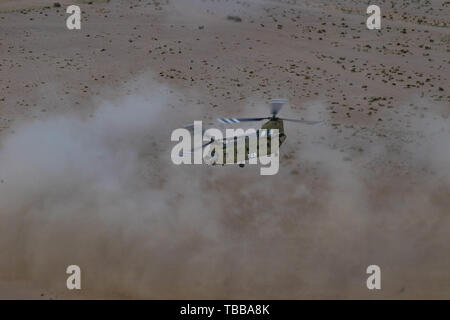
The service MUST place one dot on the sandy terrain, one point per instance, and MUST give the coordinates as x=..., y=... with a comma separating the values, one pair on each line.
x=85, y=170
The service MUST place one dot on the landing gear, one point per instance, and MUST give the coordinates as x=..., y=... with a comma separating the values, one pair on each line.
x=241, y=165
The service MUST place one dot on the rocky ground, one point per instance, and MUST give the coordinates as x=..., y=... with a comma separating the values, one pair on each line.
x=368, y=186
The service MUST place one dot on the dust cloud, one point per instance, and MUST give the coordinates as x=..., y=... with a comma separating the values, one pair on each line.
x=100, y=191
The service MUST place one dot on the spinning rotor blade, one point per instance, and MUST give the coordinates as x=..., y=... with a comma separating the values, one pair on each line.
x=237, y=120
x=199, y=148
x=190, y=127
x=227, y=140
x=301, y=121
x=275, y=105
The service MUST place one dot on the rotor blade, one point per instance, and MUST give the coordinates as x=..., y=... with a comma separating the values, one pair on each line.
x=275, y=105
x=190, y=127
x=237, y=120
x=198, y=148
x=301, y=121
x=239, y=137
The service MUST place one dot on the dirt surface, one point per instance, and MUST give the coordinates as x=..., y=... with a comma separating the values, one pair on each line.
x=85, y=170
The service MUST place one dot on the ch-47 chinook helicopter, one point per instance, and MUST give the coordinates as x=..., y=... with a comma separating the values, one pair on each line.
x=217, y=148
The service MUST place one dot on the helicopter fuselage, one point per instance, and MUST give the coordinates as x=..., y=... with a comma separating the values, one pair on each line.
x=272, y=129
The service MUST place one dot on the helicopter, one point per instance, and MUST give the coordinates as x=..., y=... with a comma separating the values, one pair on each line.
x=216, y=149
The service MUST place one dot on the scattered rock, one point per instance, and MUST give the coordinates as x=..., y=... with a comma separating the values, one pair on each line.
x=234, y=18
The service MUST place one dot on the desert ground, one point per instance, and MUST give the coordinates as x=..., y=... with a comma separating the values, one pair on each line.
x=86, y=176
